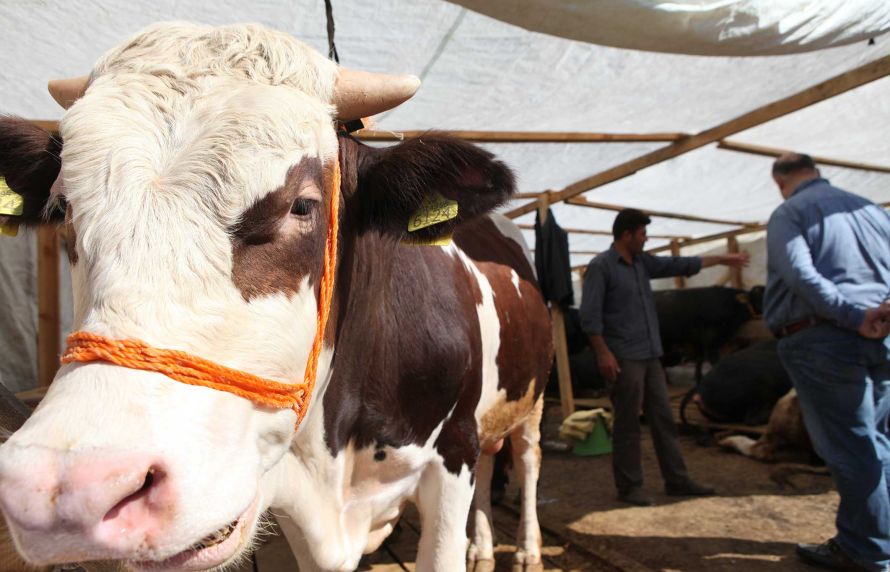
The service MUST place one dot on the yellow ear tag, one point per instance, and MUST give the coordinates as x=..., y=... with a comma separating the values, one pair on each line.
x=9, y=229
x=434, y=209
x=11, y=203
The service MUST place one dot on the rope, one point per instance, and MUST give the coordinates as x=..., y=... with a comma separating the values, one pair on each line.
x=332, y=47
x=193, y=370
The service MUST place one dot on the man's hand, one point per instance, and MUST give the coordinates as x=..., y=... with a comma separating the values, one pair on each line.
x=608, y=365
x=876, y=324
x=735, y=260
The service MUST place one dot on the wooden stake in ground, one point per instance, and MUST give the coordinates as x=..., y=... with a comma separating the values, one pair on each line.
x=560, y=345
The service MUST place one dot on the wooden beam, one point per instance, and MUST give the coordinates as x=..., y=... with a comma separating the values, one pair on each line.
x=844, y=82
x=526, y=136
x=727, y=234
x=679, y=281
x=491, y=136
x=712, y=237
x=774, y=152
x=48, y=329
x=604, y=232
x=581, y=252
x=735, y=274
x=560, y=343
x=585, y=202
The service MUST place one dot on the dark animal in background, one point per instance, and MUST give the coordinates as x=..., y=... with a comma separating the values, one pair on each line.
x=744, y=386
x=696, y=322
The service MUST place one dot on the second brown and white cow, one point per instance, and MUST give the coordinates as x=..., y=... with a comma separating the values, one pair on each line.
x=193, y=193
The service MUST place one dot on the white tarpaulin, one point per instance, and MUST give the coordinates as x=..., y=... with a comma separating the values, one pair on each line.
x=702, y=27
x=480, y=73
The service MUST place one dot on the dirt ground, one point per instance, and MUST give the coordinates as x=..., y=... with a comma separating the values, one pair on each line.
x=752, y=524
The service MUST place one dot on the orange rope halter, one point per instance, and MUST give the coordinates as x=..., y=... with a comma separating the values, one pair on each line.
x=193, y=370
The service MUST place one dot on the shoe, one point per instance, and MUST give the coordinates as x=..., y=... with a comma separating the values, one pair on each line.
x=689, y=489
x=827, y=555
x=635, y=497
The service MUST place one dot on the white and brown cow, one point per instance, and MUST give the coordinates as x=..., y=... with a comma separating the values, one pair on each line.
x=193, y=193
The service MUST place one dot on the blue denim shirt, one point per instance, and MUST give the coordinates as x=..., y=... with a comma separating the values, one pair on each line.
x=828, y=256
x=617, y=302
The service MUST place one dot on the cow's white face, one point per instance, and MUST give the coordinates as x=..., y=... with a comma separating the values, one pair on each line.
x=196, y=207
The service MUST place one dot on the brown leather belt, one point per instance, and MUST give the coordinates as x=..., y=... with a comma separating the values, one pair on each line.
x=799, y=326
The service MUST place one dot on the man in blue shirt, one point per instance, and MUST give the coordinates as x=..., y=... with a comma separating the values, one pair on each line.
x=826, y=299
x=618, y=313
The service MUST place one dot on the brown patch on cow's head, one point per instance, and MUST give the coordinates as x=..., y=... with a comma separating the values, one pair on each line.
x=280, y=239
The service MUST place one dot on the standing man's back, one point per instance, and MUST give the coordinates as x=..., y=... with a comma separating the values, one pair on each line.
x=846, y=237
x=826, y=301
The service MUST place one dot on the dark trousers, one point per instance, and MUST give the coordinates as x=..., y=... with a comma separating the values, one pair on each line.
x=641, y=385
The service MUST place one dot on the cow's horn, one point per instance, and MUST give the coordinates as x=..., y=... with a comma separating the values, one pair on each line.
x=67, y=91
x=360, y=94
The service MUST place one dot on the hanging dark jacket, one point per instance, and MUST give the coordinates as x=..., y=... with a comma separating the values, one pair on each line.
x=552, y=261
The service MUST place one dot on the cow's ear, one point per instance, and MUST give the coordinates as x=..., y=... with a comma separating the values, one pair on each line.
x=29, y=164
x=422, y=188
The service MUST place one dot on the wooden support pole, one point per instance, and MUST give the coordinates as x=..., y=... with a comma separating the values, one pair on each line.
x=735, y=274
x=48, y=329
x=560, y=344
x=679, y=281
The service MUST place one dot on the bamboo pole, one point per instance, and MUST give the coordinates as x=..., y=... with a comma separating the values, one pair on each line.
x=560, y=344
x=48, y=329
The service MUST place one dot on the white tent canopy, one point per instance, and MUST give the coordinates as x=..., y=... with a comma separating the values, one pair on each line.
x=480, y=73
x=702, y=27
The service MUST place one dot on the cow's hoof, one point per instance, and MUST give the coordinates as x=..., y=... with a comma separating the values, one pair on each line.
x=480, y=566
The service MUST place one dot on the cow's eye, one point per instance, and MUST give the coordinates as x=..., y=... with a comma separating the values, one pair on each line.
x=303, y=207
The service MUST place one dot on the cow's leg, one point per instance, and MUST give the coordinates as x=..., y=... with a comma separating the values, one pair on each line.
x=480, y=555
x=525, y=440
x=444, y=500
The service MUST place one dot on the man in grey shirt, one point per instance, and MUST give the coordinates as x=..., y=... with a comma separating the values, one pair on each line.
x=618, y=313
x=826, y=299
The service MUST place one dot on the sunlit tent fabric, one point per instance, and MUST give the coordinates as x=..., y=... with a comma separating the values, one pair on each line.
x=701, y=27
x=483, y=74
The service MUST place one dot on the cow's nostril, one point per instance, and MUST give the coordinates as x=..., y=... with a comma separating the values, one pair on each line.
x=152, y=478
x=149, y=479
